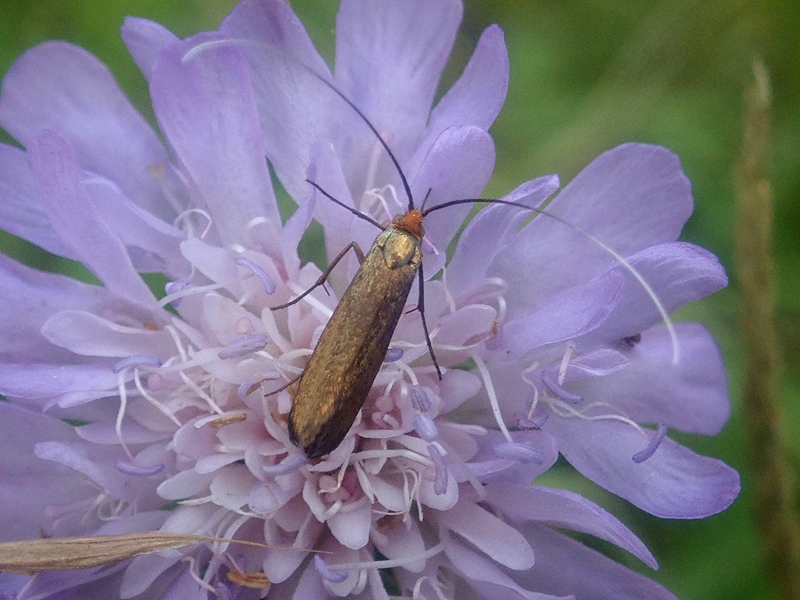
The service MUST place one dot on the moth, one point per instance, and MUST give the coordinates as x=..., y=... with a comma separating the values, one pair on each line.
x=352, y=347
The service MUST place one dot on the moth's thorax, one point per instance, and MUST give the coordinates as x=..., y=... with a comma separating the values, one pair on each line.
x=399, y=248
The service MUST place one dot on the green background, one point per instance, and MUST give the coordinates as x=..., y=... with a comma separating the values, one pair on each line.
x=586, y=76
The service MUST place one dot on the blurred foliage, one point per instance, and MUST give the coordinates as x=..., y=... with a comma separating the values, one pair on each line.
x=586, y=76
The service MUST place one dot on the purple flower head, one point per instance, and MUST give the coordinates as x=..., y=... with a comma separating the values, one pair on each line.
x=133, y=413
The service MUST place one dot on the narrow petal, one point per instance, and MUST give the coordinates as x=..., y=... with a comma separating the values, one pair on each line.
x=21, y=210
x=678, y=273
x=674, y=483
x=100, y=471
x=28, y=298
x=144, y=40
x=184, y=586
x=690, y=396
x=292, y=103
x=142, y=572
x=389, y=57
x=204, y=103
x=492, y=229
x=27, y=483
x=567, y=315
x=351, y=525
x=75, y=219
x=87, y=334
x=63, y=88
x=457, y=166
x=493, y=536
x=484, y=575
x=47, y=381
x=230, y=487
x=341, y=226
x=401, y=541
x=72, y=585
x=478, y=95
x=629, y=198
x=152, y=243
x=565, y=567
x=568, y=510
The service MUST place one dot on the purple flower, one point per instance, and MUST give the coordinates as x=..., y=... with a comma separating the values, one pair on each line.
x=131, y=413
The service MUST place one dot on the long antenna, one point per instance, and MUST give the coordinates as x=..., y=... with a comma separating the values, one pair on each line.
x=649, y=290
x=369, y=124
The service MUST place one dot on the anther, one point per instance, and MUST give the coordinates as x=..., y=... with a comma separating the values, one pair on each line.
x=322, y=568
x=652, y=445
x=393, y=355
x=290, y=464
x=243, y=346
x=558, y=391
x=425, y=427
x=266, y=280
x=419, y=398
x=173, y=287
x=519, y=452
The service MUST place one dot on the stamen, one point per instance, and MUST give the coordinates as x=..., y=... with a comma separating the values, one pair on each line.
x=290, y=464
x=441, y=478
x=199, y=391
x=266, y=280
x=184, y=216
x=408, y=371
x=251, y=381
x=376, y=197
x=123, y=404
x=151, y=399
x=243, y=346
x=419, y=398
x=389, y=453
x=174, y=287
x=135, y=361
x=389, y=564
x=451, y=303
x=130, y=468
x=222, y=591
x=652, y=445
x=466, y=471
x=322, y=568
x=533, y=420
x=176, y=339
x=502, y=307
x=192, y=566
x=391, y=421
x=425, y=428
x=487, y=383
x=190, y=290
x=520, y=452
x=562, y=368
x=393, y=355
x=558, y=391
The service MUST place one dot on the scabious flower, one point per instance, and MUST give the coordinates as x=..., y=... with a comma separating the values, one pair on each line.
x=130, y=413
